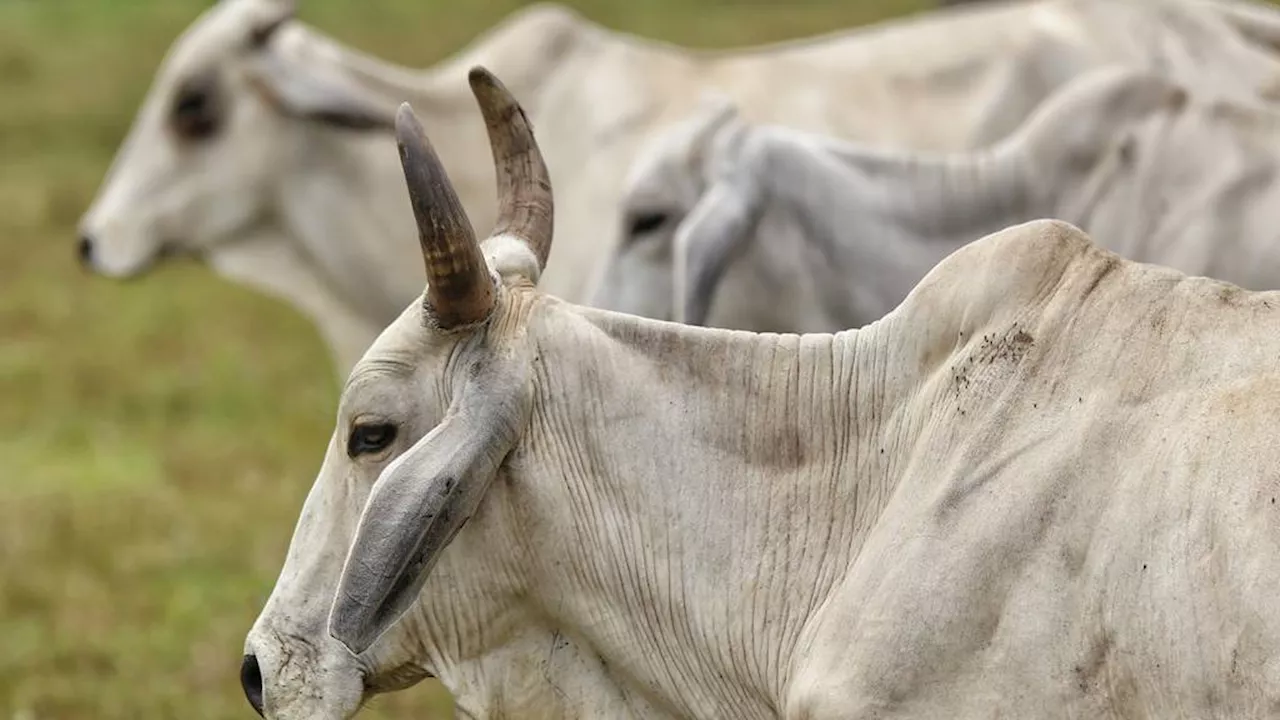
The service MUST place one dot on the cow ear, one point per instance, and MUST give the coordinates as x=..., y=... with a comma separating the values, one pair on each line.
x=717, y=231
x=315, y=93
x=421, y=501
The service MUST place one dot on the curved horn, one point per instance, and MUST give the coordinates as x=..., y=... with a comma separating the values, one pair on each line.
x=525, y=207
x=459, y=288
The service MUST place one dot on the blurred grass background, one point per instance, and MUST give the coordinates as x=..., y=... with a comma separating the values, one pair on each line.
x=157, y=437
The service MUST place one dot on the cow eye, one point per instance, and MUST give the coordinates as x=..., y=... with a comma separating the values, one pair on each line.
x=647, y=222
x=370, y=438
x=195, y=111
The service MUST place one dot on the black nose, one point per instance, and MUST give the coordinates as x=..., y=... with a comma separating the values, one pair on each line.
x=251, y=681
x=84, y=249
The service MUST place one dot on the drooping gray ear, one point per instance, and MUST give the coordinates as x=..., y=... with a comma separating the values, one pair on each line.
x=720, y=227
x=422, y=500
x=316, y=93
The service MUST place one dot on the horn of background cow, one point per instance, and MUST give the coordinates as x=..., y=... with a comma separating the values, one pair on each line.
x=459, y=287
x=525, y=207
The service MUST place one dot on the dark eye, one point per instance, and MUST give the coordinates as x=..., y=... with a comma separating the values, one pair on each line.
x=371, y=438
x=195, y=111
x=646, y=223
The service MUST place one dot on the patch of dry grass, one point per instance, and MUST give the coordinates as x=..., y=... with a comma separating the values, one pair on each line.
x=157, y=437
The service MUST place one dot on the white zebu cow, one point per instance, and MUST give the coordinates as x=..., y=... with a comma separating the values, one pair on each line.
x=795, y=232
x=1043, y=486
x=259, y=145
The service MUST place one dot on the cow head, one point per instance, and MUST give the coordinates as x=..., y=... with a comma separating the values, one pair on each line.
x=664, y=186
x=213, y=134
x=425, y=424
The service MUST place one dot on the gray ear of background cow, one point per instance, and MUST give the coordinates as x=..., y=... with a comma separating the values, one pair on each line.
x=302, y=93
x=717, y=231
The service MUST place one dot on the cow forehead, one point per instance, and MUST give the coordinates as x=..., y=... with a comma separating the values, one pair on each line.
x=219, y=32
x=405, y=343
x=664, y=173
x=667, y=151
x=678, y=157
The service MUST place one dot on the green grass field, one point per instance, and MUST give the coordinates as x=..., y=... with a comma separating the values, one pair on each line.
x=157, y=437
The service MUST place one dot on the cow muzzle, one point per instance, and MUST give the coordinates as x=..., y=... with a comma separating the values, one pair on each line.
x=251, y=681
x=286, y=676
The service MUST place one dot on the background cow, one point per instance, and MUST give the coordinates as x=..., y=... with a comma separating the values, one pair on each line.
x=262, y=144
x=1158, y=171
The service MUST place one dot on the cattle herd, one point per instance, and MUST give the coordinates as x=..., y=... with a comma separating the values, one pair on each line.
x=993, y=446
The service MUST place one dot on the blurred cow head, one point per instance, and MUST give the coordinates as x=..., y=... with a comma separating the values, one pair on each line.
x=216, y=133
x=665, y=185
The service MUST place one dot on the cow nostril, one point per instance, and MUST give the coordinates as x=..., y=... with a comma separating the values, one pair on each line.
x=84, y=249
x=251, y=681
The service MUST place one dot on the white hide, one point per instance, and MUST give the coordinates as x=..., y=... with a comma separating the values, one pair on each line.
x=285, y=196
x=796, y=232
x=1185, y=41
x=1041, y=487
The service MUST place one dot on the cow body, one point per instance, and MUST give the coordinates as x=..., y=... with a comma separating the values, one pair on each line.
x=289, y=182
x=1041, y=486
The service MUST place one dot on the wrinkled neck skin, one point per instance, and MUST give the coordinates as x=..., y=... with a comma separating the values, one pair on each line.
x=871, y=224
x=656, y=565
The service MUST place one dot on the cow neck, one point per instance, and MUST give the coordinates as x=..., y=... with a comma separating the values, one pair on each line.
x=937, y=203
x=887, y=217
x=352, y=228
x=955, y=199
x=524, y=50
x=695, y=463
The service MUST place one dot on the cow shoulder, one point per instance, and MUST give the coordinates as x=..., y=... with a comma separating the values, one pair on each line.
x=1005, y=277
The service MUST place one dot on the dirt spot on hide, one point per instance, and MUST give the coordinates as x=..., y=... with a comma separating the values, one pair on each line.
x=1092, y=664
x=1126, y=150
x=1009, y=347
x=1159, y=319
x=1108, y=266
x=1230, y=294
